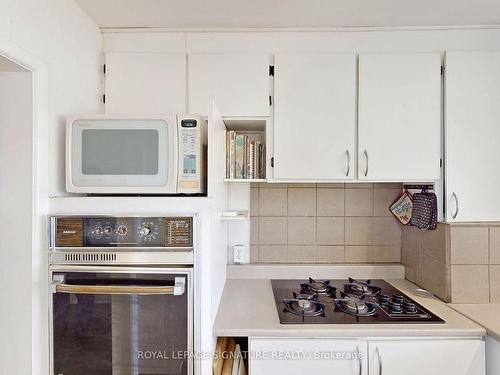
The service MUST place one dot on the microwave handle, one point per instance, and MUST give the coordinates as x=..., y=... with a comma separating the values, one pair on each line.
x=178, y=289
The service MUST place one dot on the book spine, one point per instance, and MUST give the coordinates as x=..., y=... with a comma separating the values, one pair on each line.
x=228, y=153
x=264, y=161
x=231, y=155
x=239, y=156
x=256, y=160
x=251, y=161
x=261, y=161
x=247, y=156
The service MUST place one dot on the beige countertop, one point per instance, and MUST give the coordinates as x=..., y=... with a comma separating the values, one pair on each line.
x=247, y=308
x=484, y=314
x=317, y=271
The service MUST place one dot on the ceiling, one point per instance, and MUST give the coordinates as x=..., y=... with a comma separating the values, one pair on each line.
x=290, y=13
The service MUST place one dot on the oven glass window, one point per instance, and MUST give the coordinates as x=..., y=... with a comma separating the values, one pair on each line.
x=120, y=334
x=120, y=151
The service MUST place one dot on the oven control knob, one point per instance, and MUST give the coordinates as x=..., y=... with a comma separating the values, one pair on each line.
x=145, y=231
x=108, y=230
x=98, y=231
x=122, y=230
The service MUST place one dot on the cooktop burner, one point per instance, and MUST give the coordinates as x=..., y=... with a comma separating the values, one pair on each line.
x=361, y=288
x=318, y=287
x=340, y=302
x=304, y=305
x=356, y=306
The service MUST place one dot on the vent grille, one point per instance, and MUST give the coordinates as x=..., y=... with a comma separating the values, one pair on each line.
x=90, y=257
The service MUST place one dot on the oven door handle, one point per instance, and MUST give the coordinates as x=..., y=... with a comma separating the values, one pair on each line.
x=177, y=289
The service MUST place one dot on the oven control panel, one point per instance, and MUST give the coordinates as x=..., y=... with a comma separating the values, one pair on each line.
x=105, y=231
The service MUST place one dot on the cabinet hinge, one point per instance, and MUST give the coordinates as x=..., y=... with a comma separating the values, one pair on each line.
x=272, y=162
x=442, y=69
x=104, y=98
x=271, y=70
x=270, y=100
x=104, y=68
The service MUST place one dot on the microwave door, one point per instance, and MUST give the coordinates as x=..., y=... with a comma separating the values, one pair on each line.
x=123, y=156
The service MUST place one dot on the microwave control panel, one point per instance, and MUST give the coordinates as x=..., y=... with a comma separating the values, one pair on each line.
x=189, y=147
x=105, y=231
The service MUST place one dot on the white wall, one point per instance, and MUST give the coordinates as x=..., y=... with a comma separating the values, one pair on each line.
x=61, y=35
x=63, y=45
x=16, y=153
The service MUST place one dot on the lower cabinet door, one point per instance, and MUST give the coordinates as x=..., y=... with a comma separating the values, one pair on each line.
x=307, y=356
x=427, y=357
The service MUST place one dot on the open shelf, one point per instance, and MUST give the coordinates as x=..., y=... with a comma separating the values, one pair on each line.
x=231, y=356
x=241, y=124
x=245, y=150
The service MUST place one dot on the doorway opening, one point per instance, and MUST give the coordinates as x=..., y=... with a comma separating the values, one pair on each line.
x=16, y=214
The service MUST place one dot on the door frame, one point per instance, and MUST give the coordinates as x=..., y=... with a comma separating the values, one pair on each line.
x=40, y=201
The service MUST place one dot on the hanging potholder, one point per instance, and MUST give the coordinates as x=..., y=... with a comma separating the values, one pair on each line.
x=424, y=214
x=402, y=208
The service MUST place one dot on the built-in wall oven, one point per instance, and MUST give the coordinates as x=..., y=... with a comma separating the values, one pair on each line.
x=121, y=299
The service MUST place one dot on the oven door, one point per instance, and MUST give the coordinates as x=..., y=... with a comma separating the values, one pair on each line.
x=121, y=321
x=129, y=155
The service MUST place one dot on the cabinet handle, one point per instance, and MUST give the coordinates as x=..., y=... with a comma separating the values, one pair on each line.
x=454, y=196
x=360, y=361
x=379, y=358
x=366, y=157
x=348, y=163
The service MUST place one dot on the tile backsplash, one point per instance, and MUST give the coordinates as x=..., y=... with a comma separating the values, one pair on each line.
x=460, y=263
x=425, y=256
x=475, y=263
x=324, y=223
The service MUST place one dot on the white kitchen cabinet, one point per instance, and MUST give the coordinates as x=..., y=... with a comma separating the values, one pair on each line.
x=307, y=356
x=427, y=357
x=492, y=356
x=239, y=83
x=472, y=132
x=399, y=116
x=145, y=83
x=296, y=356
x=314, y=117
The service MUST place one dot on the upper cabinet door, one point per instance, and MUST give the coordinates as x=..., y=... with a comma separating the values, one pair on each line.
x=145, y=83
x=399, y=117
x=314, y=116
x=472, y=132
x=239, y=84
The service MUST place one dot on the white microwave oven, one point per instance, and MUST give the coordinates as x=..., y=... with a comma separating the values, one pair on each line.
x=108, y=154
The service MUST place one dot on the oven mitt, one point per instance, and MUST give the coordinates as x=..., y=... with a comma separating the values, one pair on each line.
x=424, y=214
x=402, y=208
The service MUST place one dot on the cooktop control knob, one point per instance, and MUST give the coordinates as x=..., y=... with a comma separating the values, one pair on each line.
x=122, y=230
x=145, y=231
x=98, y=231
x=149, y=231
x=108, y=230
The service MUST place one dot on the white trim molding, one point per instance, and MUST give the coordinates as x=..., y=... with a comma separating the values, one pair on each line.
x=39, y=316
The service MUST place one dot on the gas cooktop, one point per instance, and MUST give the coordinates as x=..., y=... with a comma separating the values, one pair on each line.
x=346, y=302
